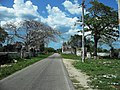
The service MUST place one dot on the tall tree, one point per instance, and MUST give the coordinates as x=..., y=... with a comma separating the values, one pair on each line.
x=102, y=21
x=34, y=33
x=3, y=35
x=75, y=41
x=12, y=30
x=38, y=34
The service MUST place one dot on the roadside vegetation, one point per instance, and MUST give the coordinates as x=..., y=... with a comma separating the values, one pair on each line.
x=104, y=73
x=8, y=69
x=71, y=56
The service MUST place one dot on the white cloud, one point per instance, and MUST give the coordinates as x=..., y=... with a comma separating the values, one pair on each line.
x=6, y=13
x=21, y=10
x=18, y=1
x=73, y=8
x=26, y=10
x=73, y=32
x=77, y=32
x=58, y=18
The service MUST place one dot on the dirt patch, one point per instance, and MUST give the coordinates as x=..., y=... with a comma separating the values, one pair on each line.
x=78, y=78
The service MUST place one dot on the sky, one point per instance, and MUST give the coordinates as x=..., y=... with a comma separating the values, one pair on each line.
x=59, y=14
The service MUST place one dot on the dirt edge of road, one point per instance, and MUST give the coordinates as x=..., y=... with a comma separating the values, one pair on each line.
x=78, y=78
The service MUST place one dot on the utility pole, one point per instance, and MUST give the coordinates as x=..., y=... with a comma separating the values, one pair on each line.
x=83, y=42
x=119, y=12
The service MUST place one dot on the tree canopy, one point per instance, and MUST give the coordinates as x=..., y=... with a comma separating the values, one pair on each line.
x=102, y=21
x=3, y=35
x=75, y=41
x=34, y=33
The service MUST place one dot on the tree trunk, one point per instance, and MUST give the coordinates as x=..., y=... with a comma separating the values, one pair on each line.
x=111, y=52
x=95, y=47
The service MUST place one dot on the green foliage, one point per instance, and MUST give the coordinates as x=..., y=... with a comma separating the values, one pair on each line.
x=75, y=41
x=59, y=50
x=102, y=21
x=71, y=56
x=1, y=49
x=102, y=50
x=104, y=74
x=49, y=49
x=5, y=59
x=3, y=35
x=13, y=67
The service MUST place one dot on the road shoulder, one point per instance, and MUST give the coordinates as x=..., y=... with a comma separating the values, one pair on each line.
x=78, y=78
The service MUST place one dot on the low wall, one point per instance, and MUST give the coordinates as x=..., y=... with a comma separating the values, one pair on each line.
x=15, y=54
x=103, y=54
x=11, y=54
x=67, y=52
x=78, y=53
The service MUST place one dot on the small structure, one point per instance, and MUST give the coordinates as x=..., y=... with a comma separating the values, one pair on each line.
x=119, y=55
x=78, y=52
x=67, y=49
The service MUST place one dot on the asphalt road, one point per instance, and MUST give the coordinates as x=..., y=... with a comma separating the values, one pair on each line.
x=47, y=74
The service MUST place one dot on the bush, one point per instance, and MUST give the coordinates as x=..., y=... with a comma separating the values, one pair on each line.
x=1, y=49
x=28, y=57
x=5, y=59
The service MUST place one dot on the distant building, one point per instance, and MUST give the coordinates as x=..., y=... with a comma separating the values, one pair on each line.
x=67, y=49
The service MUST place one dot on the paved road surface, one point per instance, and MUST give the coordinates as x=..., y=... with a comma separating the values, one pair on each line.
x=48, y=74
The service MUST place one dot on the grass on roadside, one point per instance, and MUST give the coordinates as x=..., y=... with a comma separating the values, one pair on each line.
x=104, y=73
x=71, y=56
x=13, y=67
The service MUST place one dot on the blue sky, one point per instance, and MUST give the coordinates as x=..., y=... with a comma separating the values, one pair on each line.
x=59, y=14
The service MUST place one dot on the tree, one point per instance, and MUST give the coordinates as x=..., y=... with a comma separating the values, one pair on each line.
x=12, y=30
x=38, y=34
x=59, y=50
x=102, y=21
x=76, y=41
x=3, y=35
x=50, y=49
x=35, y=34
